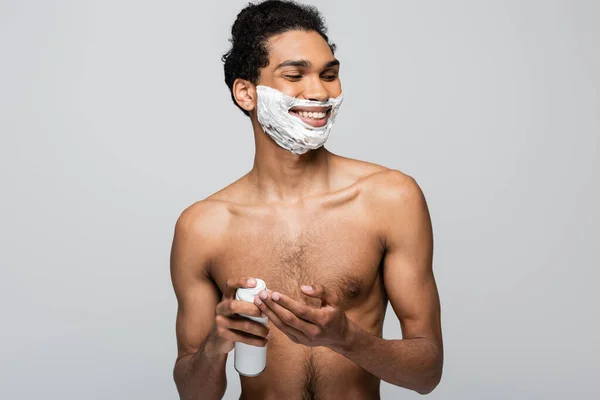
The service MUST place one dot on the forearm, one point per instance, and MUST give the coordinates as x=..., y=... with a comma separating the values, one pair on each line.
x=414, y=364
x=201, y=375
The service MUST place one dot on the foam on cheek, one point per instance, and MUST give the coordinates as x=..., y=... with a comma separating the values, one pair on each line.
x=287, y=130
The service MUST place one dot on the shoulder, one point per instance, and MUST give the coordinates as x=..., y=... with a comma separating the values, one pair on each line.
x=391, y=185
x=371, y=176
x=203, y=220
x=353, y=171
x=213, y=213
x=391, y=195
x=380, y=186
x=196, y=239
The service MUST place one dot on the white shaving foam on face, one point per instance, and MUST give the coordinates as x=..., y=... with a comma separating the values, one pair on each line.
x=287, y=130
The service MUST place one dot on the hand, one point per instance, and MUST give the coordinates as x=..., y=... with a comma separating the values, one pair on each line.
x=230, y=327
x=326, y=326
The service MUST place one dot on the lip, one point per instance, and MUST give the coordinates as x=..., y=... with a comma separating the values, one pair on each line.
x=310, y=109
x=316, y=123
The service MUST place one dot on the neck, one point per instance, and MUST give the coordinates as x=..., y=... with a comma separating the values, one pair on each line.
x=280, y=175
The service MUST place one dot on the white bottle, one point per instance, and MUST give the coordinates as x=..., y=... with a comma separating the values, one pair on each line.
x=250, y=360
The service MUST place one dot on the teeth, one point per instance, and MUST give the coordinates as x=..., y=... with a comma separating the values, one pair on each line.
x=313, y=115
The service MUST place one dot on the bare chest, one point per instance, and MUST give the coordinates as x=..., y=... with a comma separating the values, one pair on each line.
x=336, y=248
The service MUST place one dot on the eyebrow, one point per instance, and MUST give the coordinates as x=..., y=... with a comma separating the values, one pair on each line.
x=305, y=64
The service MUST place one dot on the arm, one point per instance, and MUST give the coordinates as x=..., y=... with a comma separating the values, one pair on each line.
x=414, y=362
x=199, y=373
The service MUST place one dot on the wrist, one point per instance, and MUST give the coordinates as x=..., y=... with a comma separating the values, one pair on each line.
x=211, y=349
x=349, y=338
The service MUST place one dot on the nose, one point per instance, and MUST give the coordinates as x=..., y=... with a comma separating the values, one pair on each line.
x=315, y=90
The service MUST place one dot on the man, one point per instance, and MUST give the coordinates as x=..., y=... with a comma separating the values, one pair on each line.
x=358, y=234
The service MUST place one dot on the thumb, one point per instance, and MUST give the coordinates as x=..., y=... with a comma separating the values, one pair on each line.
x=310, y=291
x=326, y=294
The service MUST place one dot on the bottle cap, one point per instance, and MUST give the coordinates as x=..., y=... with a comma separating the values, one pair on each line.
x=248, y=294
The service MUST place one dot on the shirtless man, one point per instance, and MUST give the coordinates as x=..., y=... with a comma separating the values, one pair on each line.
x=358, y=233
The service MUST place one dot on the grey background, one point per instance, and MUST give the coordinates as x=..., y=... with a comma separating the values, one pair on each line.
x=114, y=117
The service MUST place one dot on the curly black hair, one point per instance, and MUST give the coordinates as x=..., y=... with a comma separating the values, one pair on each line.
x=254, y=25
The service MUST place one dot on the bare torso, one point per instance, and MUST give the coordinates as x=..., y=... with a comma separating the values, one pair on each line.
x=330, y=239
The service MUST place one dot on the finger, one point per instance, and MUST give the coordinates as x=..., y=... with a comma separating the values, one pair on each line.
x=232, y=307
x=237, y=336
x=287, y=317
x=300, y=310
x=233, y=284
x=248, y=326
x=293, y=333
x=326, y=294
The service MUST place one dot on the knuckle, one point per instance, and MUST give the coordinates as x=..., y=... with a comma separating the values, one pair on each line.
x=247, y=326
x=246, y=308
x=323, y=320
x=250, y=309
x=287, y=318
x=310, y=334
x=316, y=318
x=255, y=311
x=221, y=331
x=315, y=334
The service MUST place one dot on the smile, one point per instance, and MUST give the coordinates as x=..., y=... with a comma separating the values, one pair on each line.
x=316, y=117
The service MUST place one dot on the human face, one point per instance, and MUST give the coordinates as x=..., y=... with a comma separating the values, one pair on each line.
x=302, y=65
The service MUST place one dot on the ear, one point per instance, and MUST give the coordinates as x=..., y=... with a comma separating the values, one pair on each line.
x=244, y=93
